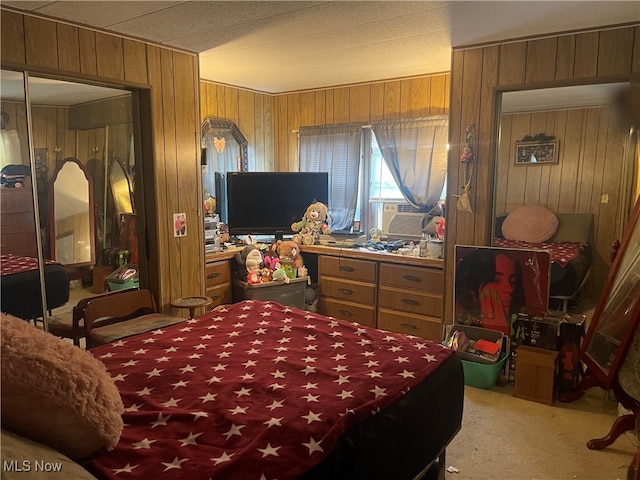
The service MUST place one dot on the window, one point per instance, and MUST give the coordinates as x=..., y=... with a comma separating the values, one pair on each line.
x=417, y=152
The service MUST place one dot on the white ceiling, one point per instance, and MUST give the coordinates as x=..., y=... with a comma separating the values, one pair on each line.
x=283, y=46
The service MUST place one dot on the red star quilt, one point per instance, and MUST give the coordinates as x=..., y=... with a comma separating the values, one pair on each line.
x=255, y=390
x=561, y=252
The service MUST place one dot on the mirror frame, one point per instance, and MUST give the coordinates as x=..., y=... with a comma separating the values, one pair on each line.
x=223, y=124
x=117, y=163
x=52, y=218
x=628, y=305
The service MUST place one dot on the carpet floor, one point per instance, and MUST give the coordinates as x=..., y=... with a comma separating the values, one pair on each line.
x=508, y=438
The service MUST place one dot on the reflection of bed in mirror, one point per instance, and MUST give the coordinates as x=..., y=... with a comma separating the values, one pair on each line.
x=71, y=216
x=571, y=255
x=20, y=286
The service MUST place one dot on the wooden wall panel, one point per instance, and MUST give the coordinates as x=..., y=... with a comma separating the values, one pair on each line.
x=88, y=60
x=41, y=45
x=587, y=62
x=12, y=28
x=166, y=99
x=541, y=60
x=68, y=48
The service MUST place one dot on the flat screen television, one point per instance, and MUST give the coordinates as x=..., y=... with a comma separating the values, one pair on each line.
x=267, y=203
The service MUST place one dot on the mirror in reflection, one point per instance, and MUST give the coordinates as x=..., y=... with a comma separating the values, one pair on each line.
x=72, y=222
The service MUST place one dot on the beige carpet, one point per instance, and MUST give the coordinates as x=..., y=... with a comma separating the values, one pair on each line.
x=508, y=438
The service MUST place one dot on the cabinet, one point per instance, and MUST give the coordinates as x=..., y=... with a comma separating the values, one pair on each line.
x=17, y=223
x=218, y=281
x=386, y=291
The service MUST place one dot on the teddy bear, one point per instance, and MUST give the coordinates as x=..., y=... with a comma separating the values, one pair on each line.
x=314, y=222
x=289, y=253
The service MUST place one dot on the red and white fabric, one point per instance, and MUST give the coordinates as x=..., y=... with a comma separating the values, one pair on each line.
x=561, y=252
x=256, y=390
x=10, y=264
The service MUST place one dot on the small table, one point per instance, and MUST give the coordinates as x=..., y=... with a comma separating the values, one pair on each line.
x=192, y=303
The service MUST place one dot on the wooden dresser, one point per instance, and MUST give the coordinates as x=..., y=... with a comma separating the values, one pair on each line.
x=382, y=290
x=217, y=274
x=17, y=222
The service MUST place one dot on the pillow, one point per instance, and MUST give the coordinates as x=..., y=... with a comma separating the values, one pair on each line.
x=530, y=223
x=56, y=393
x=574, y=227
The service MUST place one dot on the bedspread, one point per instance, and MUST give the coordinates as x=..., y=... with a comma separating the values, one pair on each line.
x=255, y=390
x=561, y=252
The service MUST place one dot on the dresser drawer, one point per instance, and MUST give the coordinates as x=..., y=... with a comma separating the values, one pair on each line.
x=425, y=327
x=347, y=268
x=416, y=278
x=412, y=301
x=362, y=314
x=220, y=294
x=217, y=273
x=353, y=291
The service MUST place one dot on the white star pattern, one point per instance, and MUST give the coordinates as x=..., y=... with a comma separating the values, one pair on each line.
x=236, y=387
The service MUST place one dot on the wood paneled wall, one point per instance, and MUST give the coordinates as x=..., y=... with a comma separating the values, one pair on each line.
x=269, y=121
x=407, y=98
x=478, y=74
x=586, y=179
x=252, y=112
x=166, y=83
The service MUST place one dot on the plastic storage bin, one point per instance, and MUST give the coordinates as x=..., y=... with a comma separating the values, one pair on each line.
x=124, y=277
x=482, y=375
x=290, y=294
x=477, y=333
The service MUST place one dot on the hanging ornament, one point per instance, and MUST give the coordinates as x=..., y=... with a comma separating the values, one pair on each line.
x=219, y=143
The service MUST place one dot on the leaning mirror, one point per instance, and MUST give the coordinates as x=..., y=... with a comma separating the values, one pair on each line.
x=72, y=221
x=121, y=188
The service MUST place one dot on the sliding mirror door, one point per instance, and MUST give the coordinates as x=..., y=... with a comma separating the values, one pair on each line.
x=20, y=272
x=54, y=129
x=568, y=149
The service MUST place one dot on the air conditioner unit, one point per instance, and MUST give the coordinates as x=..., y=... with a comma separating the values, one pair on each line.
x=401, y=221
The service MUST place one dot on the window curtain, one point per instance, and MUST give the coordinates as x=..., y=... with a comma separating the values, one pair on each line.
x=415, y=150
x=334, y=149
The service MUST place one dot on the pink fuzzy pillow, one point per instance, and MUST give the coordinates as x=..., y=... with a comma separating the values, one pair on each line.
x=56, y=393
x=530, y=223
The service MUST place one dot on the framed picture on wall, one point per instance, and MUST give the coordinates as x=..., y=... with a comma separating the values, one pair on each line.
x=536, y=153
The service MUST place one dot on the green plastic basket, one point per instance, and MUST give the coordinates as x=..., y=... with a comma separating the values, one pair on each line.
x=481, y=375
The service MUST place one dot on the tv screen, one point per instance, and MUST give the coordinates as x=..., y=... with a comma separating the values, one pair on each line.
x=267, y=203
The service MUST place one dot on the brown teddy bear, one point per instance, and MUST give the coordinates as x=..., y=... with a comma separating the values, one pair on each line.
x=314, y=222
x=288, y=250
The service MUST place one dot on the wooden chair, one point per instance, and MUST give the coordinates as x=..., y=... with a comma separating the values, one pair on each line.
x=121, y=314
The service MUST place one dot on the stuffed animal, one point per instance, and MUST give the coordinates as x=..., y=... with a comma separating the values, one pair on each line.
x=314, y=222
x=289, y=251
x=251, y=258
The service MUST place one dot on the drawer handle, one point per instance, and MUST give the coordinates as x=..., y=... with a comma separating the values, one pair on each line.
x=346, y=268
x=408, y=301
x=346, y=312
x=213, y=275
x=215, y=297
x=409, y=325
x=413, y=278
x=346, y=291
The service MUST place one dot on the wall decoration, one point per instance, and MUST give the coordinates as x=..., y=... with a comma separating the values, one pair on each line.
x=493, y=284
x=179, y=225
x=536, y=153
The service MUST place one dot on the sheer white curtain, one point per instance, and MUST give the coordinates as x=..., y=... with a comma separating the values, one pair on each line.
x=334, y=149
x=415, y=150
x=9, y=148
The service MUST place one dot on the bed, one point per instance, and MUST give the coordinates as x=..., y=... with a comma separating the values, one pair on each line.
x=20, y=286
x=571, y=248
x=260, y=390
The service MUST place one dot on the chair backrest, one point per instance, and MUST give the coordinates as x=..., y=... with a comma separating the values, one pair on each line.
x=77, y=317
x=126, y=304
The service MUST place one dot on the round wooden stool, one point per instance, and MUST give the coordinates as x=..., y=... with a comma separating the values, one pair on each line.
x=191, y=303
